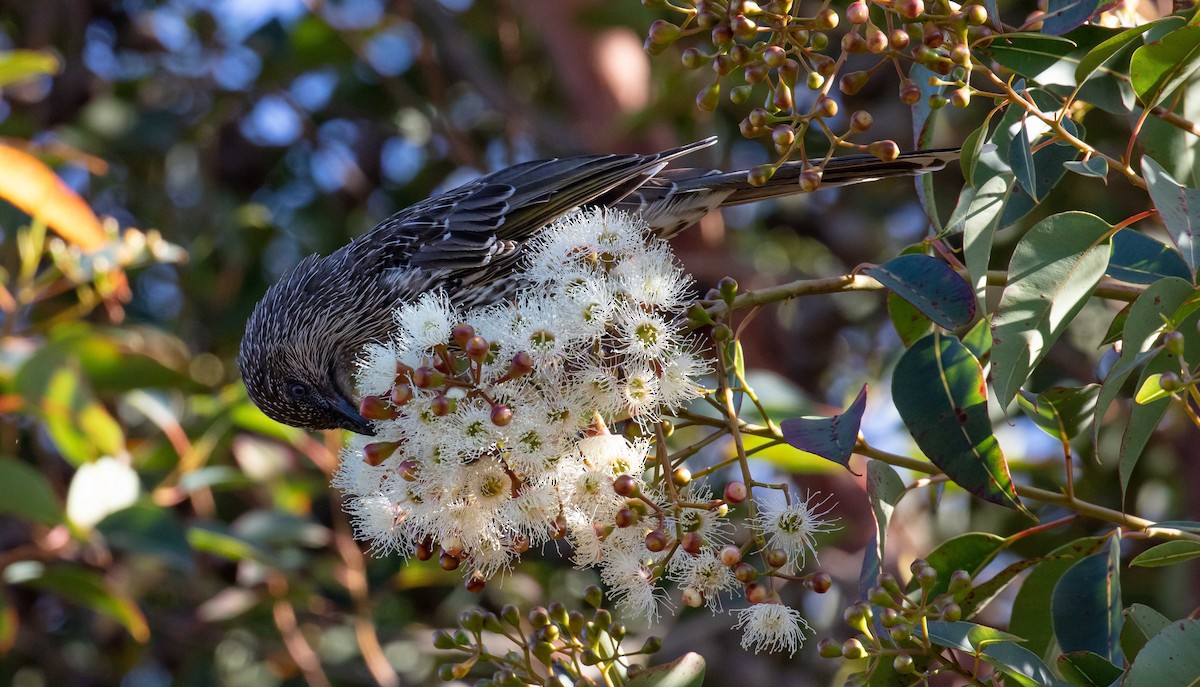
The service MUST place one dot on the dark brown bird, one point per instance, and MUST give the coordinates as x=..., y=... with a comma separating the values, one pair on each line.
x=298, y=355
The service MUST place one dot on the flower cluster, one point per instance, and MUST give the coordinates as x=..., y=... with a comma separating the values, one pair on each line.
x=492, y=423
x=493, y=434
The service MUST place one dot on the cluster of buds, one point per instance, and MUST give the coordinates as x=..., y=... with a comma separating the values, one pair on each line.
x=902, y=617
x=771, y=45
x=549, y=640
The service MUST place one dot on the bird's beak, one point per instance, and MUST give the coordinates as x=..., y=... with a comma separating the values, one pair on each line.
x=350, y=418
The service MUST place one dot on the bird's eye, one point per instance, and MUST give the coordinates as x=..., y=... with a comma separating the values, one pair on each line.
x=297, y=390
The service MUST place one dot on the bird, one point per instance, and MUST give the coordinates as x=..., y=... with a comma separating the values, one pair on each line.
x=298, y=355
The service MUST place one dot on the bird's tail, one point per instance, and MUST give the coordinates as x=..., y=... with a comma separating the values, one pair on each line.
x=839, y=171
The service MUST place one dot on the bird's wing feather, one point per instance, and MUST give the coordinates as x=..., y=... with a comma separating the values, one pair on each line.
x=470, y=226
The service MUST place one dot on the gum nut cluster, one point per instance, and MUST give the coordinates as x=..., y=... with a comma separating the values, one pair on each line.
x=491, y=423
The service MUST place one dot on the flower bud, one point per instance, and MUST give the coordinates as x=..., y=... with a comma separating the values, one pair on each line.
x=858, y=13
x=789, y=72
x=656, y=540
x=976, y=15
x=756, y=592
x=708, y=97
x=826, y=107
x=903, y=664
x=477, y=348
x=782, y=99
x=885, y=150
x=759, y=117
x=814, y=81
x=826, y=19
x=810, y=179
x=829, y=648
x=475, y=583
x=692, y=598
x=853, y=82
x=379, y=451
x=761, y=174
x=860, y=121
x=691, y=542
x=745, y=573
x=501, y=415
x=400, y=395
x=692, y=58
x=898, y=39
x=853, y=43
x=681, y=476
x=774, y=56
x=961, y=97
x=853, y=649
x=735, y=492
x=441, y=405
x=910, y=9
x=910, y=92
x=730, y=555
x=448, y=562
x=376, y=408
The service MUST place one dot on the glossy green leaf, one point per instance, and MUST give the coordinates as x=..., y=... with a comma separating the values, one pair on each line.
x=1053, y=272
x=982, y=593
x=685, y=671
x=832, y=438
x=1048, y=160
x=1109, y=48
x=1054, y=64
x=1096, y=167
x=930, y=285
x=25, y=493
x=910, y=324
x=979, y=342
x=150, y=531
x=1142, y=325
x=1141, y=623
x=1117, y=326
x=1139, y=259
x=1088, y=669
x=1151, y=390
x=977, y=216
x=1178, y=207
x=86, y=588
x=1169, y=658
x=884, y=489
x=971, y=552
x=938, y=388
x=972, y=146
x=1020, y=160
x=1028, y=618
x=1020, y=665
x=1144, y=418
x=965, y=636
x=1086, y=604
x=1158, y=68
x=1064, y=15
x=1168, y=553
x=1062, y=412
x=18, y=65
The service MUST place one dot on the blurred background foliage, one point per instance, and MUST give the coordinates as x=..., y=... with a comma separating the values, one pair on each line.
x=156, y=529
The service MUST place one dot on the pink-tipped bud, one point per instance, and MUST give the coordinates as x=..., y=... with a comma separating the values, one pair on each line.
x=858, y=12
x=692, y=542
x=426, y=377
x=886, y=150
x=400, y=395
x=627, y=486
x=501, y=415
x=441, y=405
x=407, y=470
x=376, y=408
x=462, y=333
x=379, y=451
x=656, y=541
x=735, y=493
x=810, y=179
x=522, y=364
x=756, y=592
x=730, y=555
x=692, y=597
x=477, y=348
x=625, y=517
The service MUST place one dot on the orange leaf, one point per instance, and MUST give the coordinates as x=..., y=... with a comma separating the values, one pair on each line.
x=29, y=184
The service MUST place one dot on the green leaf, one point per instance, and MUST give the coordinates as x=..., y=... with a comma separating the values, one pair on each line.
x=1028, y=618
x=884, y=489
x=1109, y=48
x=685, y=671
x=84, y=587
x=1169, y=658
x=212, y=539
x=1023, y=666
x=1088, y=669
x=1053, y=272
x=1096, y=167
x=979, y=342
x=977, y=216
x=150, y=531
x=1062, y=412
x=1086, y=604
x=80, y=427
x=931, y=286
x=1117, y=327
x=983, y=593
x=1020, y=160
x=1141, y=623
x=967, y=637
x=1158, y=68
x=1178, y=207
x=25, y=493
x=1168, y=553
x=1139, y=259
x=938, y=388
x=971, y=552
x=1185, y=525
x=1144, y=418
x=909, y=323
x=970, y=151
x=18, y=65
x=1064, y=15
x=832, y=438
x=1054, y=64
x=1144, y=322
x=1151, y=390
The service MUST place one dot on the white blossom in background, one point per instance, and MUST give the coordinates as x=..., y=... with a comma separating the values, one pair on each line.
x=793, y=526
x=492, y=427
x=771, y=627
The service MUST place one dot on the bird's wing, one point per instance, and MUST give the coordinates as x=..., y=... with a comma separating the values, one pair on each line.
x=488, y=218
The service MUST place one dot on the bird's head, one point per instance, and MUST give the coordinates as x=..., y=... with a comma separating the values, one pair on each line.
x=297, y=357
